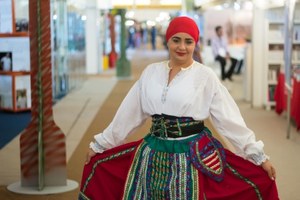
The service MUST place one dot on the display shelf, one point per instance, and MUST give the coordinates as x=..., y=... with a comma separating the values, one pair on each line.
x=15, y=90
x=17, y=34
x=274, y=60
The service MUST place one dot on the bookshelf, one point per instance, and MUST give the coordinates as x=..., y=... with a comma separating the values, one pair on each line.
x=274, y=47
x=15, y=90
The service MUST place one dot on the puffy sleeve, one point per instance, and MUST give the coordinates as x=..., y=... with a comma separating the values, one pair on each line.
x=229, y=122
x=128, y=117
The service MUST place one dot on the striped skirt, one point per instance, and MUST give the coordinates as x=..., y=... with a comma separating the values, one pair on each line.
x=197, y=167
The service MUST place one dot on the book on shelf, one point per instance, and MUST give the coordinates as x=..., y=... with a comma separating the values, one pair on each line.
x=271, y=92
x=21, y=98
x=296, y=33
x=275, y=56
x=296, y=72
x=272, y=76
x=296, y=54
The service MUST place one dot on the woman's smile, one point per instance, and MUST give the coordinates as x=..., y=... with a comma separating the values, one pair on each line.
x=180, y=53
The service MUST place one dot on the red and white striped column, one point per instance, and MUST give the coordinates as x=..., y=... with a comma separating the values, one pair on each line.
x=43, y=150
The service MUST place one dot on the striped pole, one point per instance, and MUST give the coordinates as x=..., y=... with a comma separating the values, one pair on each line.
x=42, y=143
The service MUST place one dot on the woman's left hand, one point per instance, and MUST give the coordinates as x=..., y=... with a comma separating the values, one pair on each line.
x=268, y=167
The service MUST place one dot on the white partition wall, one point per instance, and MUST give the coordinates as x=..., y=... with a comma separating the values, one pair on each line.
x=92, y=36
x=258, y=54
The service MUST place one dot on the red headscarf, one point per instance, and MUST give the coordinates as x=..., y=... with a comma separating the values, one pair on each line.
x=185, y=25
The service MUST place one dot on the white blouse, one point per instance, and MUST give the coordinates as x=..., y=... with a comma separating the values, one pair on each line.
x=195, y=92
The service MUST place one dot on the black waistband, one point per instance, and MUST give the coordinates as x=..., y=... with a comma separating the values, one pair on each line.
x=175, y=127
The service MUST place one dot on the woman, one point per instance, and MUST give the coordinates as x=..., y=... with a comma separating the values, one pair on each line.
x=179, y=158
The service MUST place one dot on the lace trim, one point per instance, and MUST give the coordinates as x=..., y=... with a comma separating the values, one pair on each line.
x=96, y=147
x=259, y=159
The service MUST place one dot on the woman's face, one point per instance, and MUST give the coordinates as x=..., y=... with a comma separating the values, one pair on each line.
x=181, y=47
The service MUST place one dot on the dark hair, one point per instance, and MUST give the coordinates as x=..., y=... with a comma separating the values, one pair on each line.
x=218, y=28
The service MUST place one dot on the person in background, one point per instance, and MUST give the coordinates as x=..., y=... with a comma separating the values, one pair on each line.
x=222, y=55
x=131, y=41
x=138, y=36
x=179, y=158
x=153, y=37
x=239, y=66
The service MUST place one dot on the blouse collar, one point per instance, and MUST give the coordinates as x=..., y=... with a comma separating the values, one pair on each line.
x=182, y=68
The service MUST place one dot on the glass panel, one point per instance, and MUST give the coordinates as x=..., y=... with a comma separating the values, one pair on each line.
x=68, y=36
x=59, y=53
x=6, y=91
x=6, y=16
x=21, y=15
x=18, y=50
x=76, y=47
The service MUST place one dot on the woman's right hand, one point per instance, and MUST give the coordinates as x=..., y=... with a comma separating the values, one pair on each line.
x=89, y=155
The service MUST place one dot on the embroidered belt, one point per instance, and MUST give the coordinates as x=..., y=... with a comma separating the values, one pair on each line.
x=175, y=127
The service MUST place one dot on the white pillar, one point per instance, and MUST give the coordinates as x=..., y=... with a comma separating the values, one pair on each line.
x=92, y=38
x=258, y=57
x=103, y=6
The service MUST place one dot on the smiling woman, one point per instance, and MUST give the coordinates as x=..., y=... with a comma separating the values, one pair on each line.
x=181, y=43
x=179, y=158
